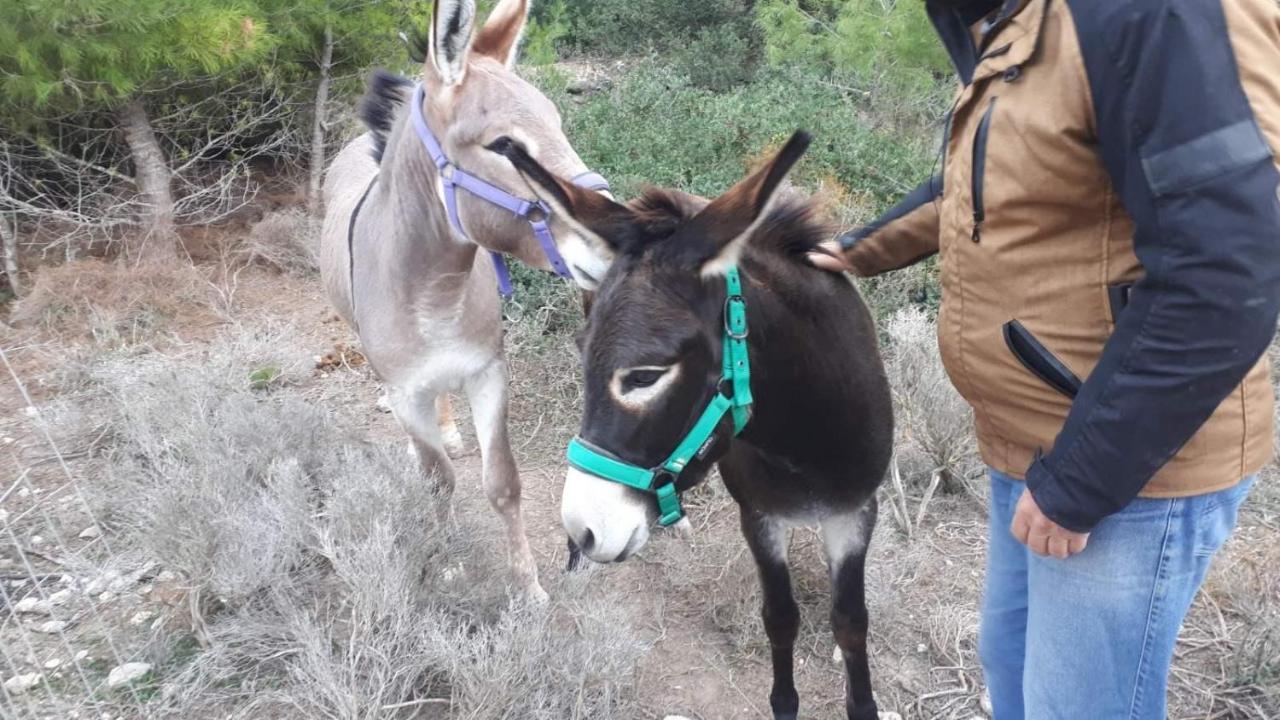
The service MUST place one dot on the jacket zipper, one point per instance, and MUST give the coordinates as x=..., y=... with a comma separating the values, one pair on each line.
x=980, y=169
x=1036, y=358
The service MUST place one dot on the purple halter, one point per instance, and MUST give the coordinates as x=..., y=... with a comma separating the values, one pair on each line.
x=535, y=212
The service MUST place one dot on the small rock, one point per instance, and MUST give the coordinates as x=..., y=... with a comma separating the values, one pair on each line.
x=19, y=684
x=985, y=702
x=167, y=576
x=90, y=532
x=37, y=540
x=52, y=627
x=141, y=617
x=384, y=404
x=922, y=648
x=31, y=605
x=127, y=673
x=24, y=492
x=837, y=657
x=62, y=597
x=106, y=597
x=52, y=664
x=82, y=655
x=32, y=411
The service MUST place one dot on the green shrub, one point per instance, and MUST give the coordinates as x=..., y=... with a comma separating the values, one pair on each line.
x=637, y=26
x=547, y=29
x=886, y=41
x=720, y=57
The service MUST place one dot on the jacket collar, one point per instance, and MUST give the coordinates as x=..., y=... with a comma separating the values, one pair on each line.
x=1012, y=40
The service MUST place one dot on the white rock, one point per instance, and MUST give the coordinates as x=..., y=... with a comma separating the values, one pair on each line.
x=384, y=404
x=167, y=576
x=31, y=605
x=985, y=702
x=52, y=664
x=19, y=684
x=82, y=655
x=32, y=411
x=62, y=597
x=127, y=673
x=107, y=596
x=52, y=627
x=90, y=532
x=102, y=582
x=837, y=657
x=24, y=492
x=37, y=540
x=141, y=617
x=4, y=515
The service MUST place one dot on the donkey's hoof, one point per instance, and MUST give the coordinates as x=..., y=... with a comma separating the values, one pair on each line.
x=785, y=716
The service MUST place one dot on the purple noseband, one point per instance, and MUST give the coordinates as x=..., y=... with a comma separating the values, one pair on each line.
x=535, y=212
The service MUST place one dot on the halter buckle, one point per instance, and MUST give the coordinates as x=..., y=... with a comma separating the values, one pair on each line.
x=538, y=212
x=446, y=170
x=728, y=318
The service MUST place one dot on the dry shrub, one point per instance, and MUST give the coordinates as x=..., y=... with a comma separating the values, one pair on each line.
x=323, y=576
x=935, y=423
x=283, y=240
x=113, y=303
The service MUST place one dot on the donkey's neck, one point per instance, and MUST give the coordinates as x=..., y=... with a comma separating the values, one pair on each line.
x=821, y=401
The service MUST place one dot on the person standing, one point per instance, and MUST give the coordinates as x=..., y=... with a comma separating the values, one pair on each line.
x=1108, y=224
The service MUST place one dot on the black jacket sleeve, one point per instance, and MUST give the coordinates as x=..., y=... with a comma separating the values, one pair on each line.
x=903, y=236
x=1192, y=167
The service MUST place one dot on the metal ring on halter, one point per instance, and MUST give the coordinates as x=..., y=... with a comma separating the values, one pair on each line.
x=728, y=330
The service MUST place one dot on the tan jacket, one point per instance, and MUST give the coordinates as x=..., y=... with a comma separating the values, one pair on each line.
x=1108, y=223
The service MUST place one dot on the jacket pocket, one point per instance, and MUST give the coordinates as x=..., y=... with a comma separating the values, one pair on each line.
x=1119, y=299
x=1037, y=358
x=980, y=169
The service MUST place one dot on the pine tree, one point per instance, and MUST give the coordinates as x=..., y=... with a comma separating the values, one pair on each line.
x=71, y=55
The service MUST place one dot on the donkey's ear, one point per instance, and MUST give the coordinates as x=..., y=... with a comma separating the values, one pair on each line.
x=500, y=36
x=601, y=221
x=452, y=23
x=725, y=226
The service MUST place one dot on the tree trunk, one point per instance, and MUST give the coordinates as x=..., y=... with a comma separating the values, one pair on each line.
x=9, y=240
x=318, y=130
x=154, y=177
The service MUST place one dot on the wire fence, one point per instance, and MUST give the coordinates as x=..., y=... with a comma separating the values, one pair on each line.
x=73, y=617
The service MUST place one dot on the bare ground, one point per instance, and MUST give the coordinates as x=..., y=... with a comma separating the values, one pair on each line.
x=695, y=601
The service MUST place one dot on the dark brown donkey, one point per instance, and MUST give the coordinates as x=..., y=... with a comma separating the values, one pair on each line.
x=820, y=436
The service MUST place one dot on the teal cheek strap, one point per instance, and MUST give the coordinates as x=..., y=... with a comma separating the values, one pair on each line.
x=735, y=380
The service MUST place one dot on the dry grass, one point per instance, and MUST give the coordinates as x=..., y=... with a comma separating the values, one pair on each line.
x=112, y=303
x=316, y=573
x=284, y=240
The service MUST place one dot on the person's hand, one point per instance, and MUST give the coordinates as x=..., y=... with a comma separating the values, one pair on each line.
x=829, y=256
x=1045, y=537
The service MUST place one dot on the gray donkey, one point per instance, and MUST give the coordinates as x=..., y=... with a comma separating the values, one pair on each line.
x=418, y=217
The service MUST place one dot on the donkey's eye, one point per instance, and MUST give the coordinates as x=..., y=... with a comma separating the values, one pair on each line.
x=636, y=387
x=643, y=378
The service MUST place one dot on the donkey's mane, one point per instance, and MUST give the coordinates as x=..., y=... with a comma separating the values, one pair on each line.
x=382, y=99
x=793, y=228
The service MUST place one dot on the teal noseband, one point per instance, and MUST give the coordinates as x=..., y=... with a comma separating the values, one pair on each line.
x=735, y=377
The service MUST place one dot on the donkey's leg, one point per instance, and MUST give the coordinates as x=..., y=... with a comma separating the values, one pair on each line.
x=846, y=538
x=487, y=391
x=416, y=412
x=768, y=543
x=449, y=426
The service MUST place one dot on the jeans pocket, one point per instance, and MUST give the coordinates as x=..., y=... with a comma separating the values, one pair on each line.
x=1217, y=518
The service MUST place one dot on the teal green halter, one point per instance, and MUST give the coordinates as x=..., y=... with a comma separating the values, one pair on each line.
x=736, y=377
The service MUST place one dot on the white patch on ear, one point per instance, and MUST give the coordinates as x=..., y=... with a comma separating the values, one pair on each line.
x=640, y=397
x=588, y=261
x=450, y=39
x=731, y=253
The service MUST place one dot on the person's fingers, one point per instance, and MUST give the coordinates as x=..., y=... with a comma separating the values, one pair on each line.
x=1020, y=527
x=829, y=256
x=1039, y=543
x=1059, y=547
x=1079, y=543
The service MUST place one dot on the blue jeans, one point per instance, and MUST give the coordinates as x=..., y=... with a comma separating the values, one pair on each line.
x=1092, y=636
